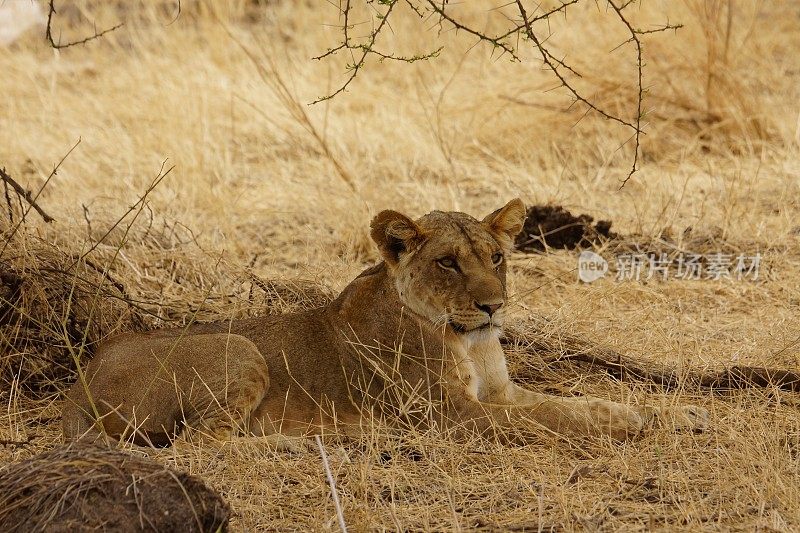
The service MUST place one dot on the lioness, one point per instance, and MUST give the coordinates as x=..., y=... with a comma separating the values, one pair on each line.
x=414, y=339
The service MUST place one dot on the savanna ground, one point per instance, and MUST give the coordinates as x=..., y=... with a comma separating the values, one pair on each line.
x=270, y=196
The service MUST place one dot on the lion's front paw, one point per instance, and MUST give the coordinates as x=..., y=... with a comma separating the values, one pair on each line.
x=691, y=417
x=682, y=417
x=618, y=421
x=286, y=444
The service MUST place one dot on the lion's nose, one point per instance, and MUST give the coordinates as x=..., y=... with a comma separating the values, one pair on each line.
x=489, y=309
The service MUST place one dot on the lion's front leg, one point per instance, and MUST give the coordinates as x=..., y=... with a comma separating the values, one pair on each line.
x=571, y=417
x=586, y=416
x=489, y=397
x=589, y=416
x=492, y=399
x=676, y=417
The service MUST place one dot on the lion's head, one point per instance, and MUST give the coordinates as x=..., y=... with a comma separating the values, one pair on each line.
x=450, y=267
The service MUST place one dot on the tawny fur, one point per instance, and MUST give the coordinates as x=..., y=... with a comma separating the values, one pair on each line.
x=413, y=340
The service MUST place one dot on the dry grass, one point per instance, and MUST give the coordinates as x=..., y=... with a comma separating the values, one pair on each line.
x=266, y=187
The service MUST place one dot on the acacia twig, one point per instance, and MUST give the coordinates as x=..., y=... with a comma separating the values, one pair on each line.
x=24, y=193
x=501, y=41
x=58, y=45
x=640, y=96
x=366, y=49
x=571, y=350
x=636, y=124
x=35, y=197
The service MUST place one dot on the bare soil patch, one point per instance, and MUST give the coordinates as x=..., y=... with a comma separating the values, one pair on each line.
x=553, y=226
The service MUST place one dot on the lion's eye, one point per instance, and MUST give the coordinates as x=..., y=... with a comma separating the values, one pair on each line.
x=447, y=262
x=497, y=259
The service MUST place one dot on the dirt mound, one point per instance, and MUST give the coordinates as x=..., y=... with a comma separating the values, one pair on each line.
x=85, y=487
x=552, y=226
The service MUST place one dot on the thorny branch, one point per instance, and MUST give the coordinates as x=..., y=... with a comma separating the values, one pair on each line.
x=58, y=45
x=35, y=197
x=520, y=30
x=23, y=193
x=366, y=48
x=640, y=95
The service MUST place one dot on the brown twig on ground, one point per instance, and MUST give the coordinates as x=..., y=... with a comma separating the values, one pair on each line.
x=57, y=45
x=24, y=193
x=572, y=350
x=728, y=378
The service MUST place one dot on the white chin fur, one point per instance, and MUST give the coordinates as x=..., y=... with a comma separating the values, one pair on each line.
x=480, y=336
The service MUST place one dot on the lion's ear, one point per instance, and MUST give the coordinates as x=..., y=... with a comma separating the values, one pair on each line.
x=394, y=233
x=508, y=220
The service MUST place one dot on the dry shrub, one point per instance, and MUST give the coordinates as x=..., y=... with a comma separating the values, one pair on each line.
x=58, y=302
x=85, y=487
x=54, y=308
